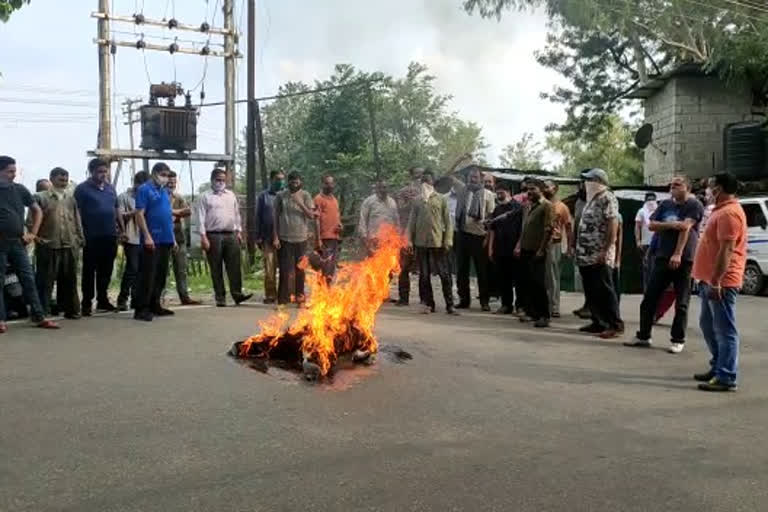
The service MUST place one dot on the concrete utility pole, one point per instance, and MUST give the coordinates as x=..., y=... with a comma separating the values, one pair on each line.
x=128, y=112
x=104, y=141
x=250, y=143
x=230, y=79
x=374, y=135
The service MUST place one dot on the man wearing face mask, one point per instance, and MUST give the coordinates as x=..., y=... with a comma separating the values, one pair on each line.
x=676, y=224
x=154, y=216
x=504, y=229
x=474, y=207
x=221, y=237
x=596, y=251
x=59, y=240
x=328, y=225
x=99, y=211
x=534, y=245
x=294, y=216
x=430, y=232
x=13, y=199
x=264, y=233
x=643, y=234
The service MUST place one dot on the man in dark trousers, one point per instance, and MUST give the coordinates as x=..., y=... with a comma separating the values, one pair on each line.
x=474, y=206
x=676, y=223
x=430, y=232
x=131, y=243
x=264, y=233
x=504, y=229
x=221, y=238
x=13, y=198
x=97, y=200
x=534, y=244
x=154, y=216
x=328, y=226
x=59, y=240
x=406, y=198
x=294, y=217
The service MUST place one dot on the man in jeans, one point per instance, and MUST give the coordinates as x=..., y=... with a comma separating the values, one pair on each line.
x=155, y=220
x=264, y=233
x=131, y=243
x=13, y=198
x=719, y=266
x=59, y=240
x=181, y=211
x=534, y=244
x=97, y=201
x=676, y=222
x=294, y=214
x=596, y=252
x=221, y=238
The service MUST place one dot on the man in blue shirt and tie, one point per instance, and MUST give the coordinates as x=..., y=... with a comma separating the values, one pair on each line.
x=154, y=216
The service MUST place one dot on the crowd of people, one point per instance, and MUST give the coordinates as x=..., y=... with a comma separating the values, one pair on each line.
x=514, y=243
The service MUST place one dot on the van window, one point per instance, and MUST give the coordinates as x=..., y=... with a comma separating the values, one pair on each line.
x=755, y=215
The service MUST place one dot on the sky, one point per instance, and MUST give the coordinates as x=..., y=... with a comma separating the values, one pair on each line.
x=49, y=66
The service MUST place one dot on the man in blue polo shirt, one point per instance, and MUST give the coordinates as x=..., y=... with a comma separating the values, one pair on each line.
x=97, y=202
x=154, y=216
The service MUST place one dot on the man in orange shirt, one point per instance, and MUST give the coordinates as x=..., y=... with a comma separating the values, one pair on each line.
x=562, y=228
x=719, y=266
x=329, y=226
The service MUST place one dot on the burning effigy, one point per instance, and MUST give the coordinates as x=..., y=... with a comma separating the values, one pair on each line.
x=338, y=318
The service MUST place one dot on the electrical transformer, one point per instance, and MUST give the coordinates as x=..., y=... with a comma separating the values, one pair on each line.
x=168, y=127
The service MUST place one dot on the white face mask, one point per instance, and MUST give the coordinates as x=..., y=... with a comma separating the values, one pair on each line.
x=593, y=188
x=162, y=180
x=218, y=186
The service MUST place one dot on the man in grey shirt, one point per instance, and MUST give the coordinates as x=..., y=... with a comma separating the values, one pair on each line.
x=131, y=242
x=294, y=214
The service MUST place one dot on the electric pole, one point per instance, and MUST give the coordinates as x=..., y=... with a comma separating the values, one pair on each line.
x=374, y=135
x=230, y=126
x=250, y=141
x=104, y=141
x=129, y=112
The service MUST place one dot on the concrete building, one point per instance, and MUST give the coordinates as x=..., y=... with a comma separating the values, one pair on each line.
x=689, y=110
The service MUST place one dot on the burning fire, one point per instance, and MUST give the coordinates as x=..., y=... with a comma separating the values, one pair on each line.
x=338, y=318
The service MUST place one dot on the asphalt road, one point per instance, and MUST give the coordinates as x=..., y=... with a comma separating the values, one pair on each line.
x=112, y=415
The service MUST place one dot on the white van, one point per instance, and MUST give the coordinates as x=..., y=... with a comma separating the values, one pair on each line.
x=756, y=210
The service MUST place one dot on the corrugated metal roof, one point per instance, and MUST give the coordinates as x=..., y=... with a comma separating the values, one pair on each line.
x=655, y=83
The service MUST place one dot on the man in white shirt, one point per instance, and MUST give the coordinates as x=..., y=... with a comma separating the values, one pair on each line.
x=643, y=233
x=221, y=237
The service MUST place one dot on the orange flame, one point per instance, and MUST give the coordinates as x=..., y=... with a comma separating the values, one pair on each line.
x=339, y=318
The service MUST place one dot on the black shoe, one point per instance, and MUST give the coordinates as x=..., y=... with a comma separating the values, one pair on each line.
x=86, y=311
x=242, y=298
x=269, y=301
x=122, y=306
x=144, y=316
x=451, y=311
x=503, y=310
x=163, y=312
x=592, y=328
x=541, y=323
x=555, y=315
x=106, y=306
x=221, y=304
x=72, y=316
x=717, y=386
x=704, y=377
x=486, y=308
x=583, y=313
x=463, y=305
x=401, y=303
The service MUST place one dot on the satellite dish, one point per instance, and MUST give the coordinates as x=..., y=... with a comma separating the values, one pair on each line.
x=644, y=136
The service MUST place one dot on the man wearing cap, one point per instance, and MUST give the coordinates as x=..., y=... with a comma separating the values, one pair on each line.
x=595, y=251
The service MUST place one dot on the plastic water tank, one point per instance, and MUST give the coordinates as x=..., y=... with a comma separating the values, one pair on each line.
x=744, y=146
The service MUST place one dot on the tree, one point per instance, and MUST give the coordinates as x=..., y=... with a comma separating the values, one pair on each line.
x=525, y=154
x=8, y=6
x=612, y=149
x=605, y=48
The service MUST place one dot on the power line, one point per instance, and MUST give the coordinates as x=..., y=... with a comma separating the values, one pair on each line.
x=48, y=102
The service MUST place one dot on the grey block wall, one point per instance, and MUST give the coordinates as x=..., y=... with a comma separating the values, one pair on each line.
x=689, y=115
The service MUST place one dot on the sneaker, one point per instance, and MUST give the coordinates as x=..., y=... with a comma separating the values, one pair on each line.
x=638, y=343
x=675, y=348
x=592, y=328
x=541, y=323
x=717, y=386
x=704, y=377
